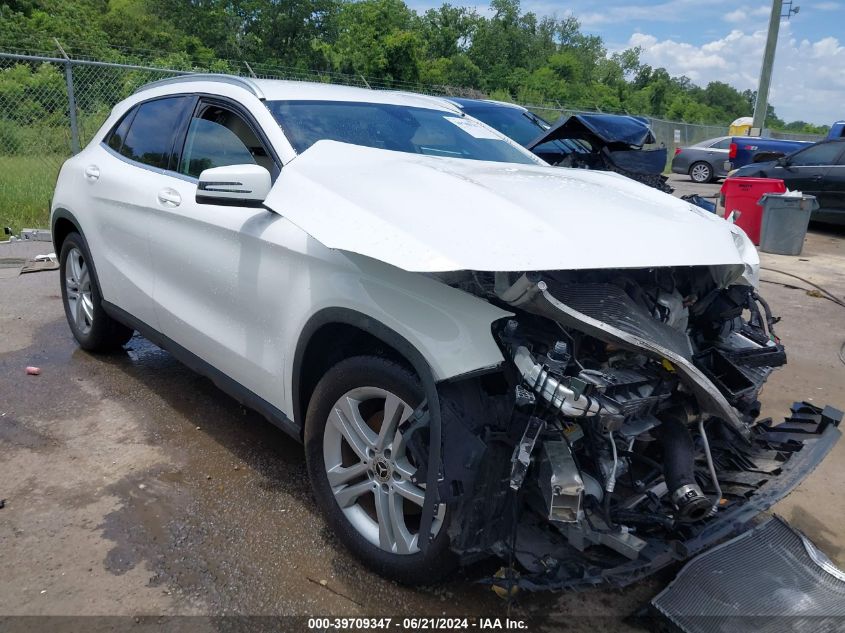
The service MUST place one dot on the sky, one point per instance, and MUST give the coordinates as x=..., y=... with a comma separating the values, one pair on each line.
x=722, y=40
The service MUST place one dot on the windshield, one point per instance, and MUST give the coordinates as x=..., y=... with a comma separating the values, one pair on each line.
x=392, y=127
x=511, y=122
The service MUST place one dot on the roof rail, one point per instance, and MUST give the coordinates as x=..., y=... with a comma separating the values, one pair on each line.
x=234, y=80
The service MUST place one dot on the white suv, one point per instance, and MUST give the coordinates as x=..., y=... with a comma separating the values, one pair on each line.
x=362, y=268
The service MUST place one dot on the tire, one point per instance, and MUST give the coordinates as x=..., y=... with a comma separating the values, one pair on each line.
x=701, y=172
x=93, y=329
x=382, y=481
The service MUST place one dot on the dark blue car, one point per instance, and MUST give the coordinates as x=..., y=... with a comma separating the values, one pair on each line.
x=607, y=142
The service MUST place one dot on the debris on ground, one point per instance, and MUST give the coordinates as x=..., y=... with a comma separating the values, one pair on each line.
x=794, y=580
x=33, y=371
x=41, y=263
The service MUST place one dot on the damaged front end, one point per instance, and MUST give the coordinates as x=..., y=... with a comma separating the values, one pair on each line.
x=617, y=143
x=622, y=433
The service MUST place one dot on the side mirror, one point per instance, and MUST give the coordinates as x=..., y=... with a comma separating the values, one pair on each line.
x=782, y=162
x=237, y=185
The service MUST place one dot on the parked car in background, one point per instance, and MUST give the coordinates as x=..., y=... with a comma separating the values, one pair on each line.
x=745, y=150
x=818, y=170
x=704, y=161
x=607, y=142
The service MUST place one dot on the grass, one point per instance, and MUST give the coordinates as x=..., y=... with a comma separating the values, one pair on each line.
x=26, y=186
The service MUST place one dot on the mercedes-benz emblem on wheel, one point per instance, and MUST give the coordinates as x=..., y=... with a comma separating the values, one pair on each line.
x=382, y=469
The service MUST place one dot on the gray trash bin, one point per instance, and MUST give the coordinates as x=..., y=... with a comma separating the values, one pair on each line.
x=785, y=220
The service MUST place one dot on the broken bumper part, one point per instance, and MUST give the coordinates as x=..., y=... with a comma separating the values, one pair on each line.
x=793, y=586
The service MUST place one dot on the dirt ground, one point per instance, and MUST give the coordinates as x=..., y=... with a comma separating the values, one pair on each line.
x=134, y=487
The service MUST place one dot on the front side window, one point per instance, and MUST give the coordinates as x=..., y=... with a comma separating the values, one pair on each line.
x=217, y=137
x=151, y=134
x=392, y=127
x=822, y=154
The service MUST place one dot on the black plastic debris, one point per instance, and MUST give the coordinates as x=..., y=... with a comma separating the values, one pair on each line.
x=769, y=579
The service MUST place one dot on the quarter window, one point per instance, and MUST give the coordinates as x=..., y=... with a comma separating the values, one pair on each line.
x=218, y=137
x=153, y=130
x=118, y=134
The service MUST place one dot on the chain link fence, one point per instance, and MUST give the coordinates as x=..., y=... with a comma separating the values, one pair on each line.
x=51, y=106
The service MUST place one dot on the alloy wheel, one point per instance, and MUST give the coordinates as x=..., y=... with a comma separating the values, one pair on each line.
x=80, y=301
x=370, y=471
x=700, y=173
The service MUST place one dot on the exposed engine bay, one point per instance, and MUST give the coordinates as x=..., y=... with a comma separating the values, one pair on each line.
x=622, y=432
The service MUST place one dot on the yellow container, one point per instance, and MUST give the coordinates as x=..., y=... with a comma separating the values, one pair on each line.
x=741, y=127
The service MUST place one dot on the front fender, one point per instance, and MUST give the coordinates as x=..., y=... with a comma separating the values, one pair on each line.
x=448, y=329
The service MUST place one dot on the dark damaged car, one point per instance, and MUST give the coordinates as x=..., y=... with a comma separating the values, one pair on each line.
x=609, y=142
x=484, y=356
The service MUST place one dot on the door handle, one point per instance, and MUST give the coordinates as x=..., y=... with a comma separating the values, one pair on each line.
x=92, y=173
x=169, y=198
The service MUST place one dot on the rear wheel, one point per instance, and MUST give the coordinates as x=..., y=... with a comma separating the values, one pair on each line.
x=701, y=172
x=364, y=473
x=92, y=328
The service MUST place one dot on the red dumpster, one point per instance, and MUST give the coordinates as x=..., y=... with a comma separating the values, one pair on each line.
x=743, y=195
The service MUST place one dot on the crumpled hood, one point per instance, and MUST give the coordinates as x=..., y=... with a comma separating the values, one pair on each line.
x=432, y=214
x=607, y=128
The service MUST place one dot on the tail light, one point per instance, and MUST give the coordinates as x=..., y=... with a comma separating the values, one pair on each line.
x=732, y=151
x=677, y=151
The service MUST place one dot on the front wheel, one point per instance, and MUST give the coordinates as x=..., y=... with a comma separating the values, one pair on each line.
x=363, y=470
x=701, y=173
x=92, y=328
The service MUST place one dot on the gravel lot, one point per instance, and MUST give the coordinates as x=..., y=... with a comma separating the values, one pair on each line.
x=134, y=487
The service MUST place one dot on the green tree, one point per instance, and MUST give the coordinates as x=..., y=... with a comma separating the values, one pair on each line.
x=377, y=38
x=448, y=30
x=506, y=51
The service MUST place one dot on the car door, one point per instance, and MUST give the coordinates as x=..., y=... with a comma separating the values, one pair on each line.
x=833, y=187
x=717, y=155
x=126, y=173
x=806, y=169
x=221, y=287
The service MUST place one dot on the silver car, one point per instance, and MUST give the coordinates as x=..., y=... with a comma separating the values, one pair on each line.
x=704, y=161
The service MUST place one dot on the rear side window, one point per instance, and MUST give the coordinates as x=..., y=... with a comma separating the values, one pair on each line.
x=150, y=139
x=725, y=143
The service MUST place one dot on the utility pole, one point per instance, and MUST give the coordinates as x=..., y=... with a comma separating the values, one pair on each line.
x=762, y=104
